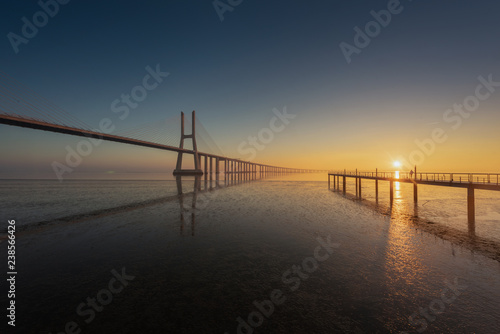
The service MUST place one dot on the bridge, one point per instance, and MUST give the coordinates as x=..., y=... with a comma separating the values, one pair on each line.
x=230, y=165
x=21, y=107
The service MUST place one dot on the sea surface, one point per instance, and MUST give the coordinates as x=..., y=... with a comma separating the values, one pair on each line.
x=277, y=255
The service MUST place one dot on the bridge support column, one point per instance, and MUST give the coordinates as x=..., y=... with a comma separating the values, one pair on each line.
x=376, y=190
x=344, y=185
x=225, y=170
x=211, y=158
x=206, y=169
x=217, y=169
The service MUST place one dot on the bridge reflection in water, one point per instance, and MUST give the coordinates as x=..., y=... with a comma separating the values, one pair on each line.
x=204, y=191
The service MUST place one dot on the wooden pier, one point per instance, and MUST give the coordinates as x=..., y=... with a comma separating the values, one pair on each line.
x=469, y=181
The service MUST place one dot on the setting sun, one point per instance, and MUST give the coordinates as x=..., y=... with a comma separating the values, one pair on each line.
x=397, y=164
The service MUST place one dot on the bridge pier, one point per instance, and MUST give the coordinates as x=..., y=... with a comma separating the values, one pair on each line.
x=206, y=163
x=178, y=169
x=344, y=185
x=211, y=160
x=225, y=170
x=217, y=171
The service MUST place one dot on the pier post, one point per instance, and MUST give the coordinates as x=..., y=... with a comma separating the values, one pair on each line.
x=225, y=169
x=343, y=181
x=211, y=158
x=356, y=178
x=359, y=184
x=206, y=165
x=391, y=195
x=217, y=171
x=471, y=212
x=415, y=192
x=230, y=170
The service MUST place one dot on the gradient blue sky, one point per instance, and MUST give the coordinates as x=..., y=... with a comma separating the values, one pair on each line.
x=264, y=55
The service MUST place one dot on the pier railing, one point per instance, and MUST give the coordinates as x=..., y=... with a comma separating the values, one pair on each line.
x=477, y=178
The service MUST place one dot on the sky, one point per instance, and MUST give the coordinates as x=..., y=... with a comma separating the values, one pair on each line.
x=362, y=83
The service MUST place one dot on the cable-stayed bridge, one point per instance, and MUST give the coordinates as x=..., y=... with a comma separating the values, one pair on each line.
x=21, y=107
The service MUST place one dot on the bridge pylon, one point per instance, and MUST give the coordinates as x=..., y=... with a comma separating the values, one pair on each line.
x=178, y=169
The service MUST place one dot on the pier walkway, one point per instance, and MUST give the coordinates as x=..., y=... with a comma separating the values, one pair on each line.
x=469, y=181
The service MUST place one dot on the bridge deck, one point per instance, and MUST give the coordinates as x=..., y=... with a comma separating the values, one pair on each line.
x=240, y=166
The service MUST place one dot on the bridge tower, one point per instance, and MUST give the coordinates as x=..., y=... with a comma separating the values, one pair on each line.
x=178, y=169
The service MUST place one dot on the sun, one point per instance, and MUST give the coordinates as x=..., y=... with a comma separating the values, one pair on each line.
x=397, y=164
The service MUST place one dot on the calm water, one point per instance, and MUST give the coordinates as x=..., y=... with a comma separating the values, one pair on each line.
x=199, y=270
